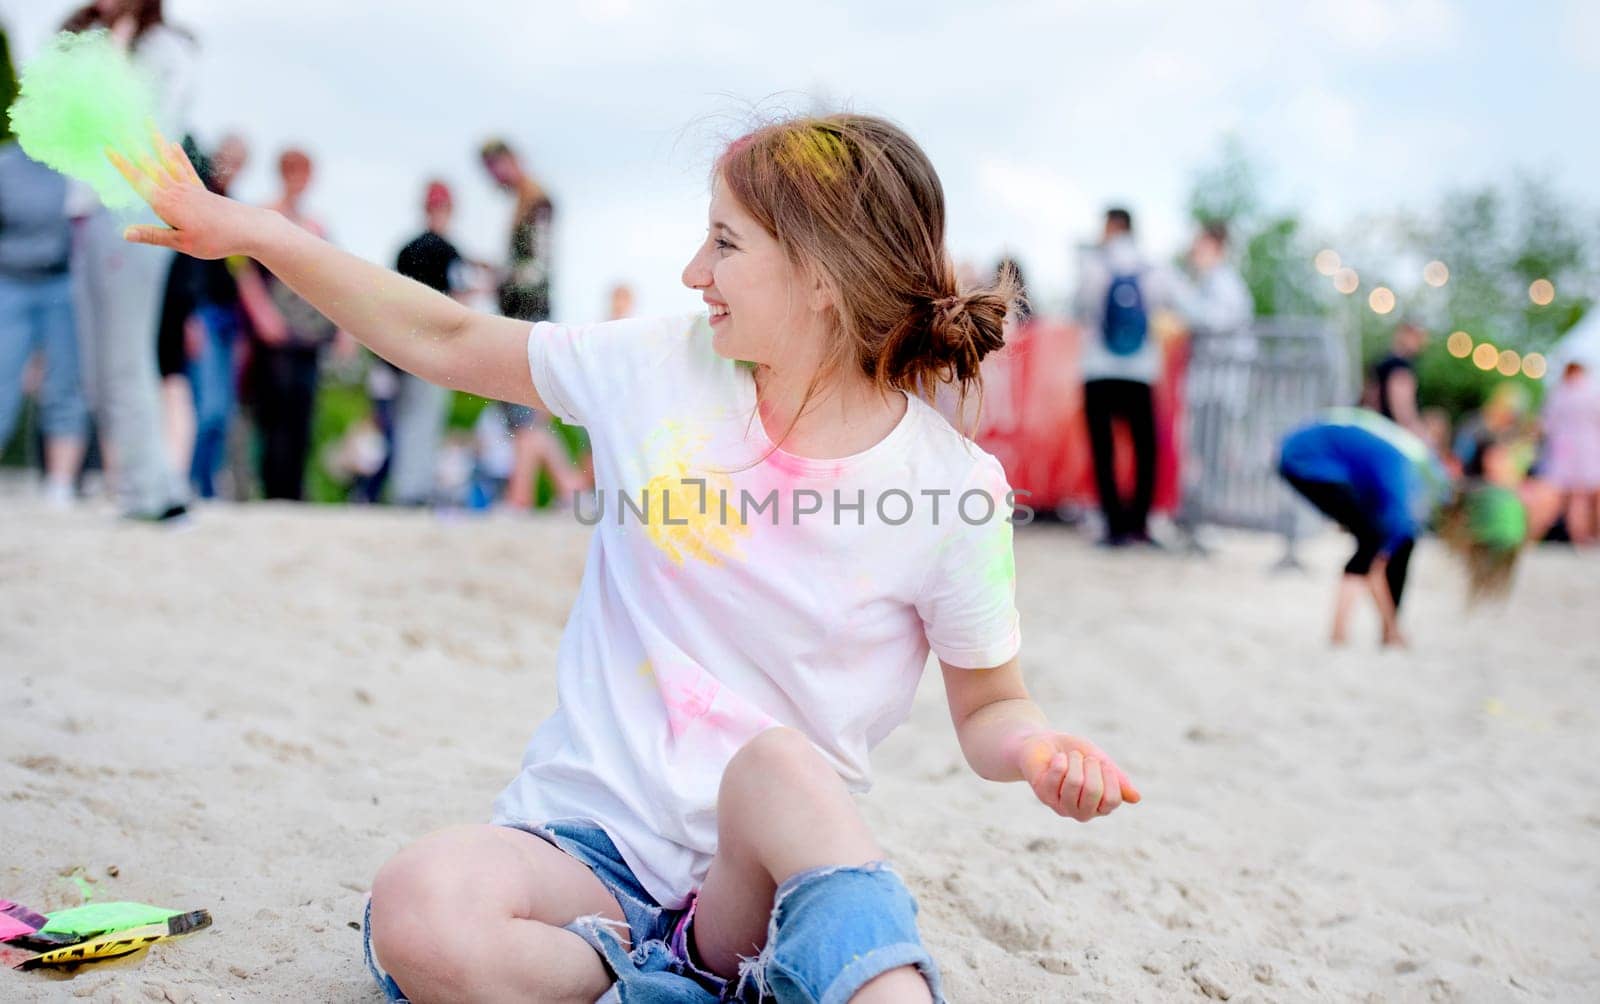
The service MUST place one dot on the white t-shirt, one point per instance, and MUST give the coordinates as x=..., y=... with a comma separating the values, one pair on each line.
x=730, y=608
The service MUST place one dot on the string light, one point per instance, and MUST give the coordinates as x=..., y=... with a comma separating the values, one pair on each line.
x=1435, y=274
x=1510, y=363
x=1542, y=292
x=1459, y=344
x=1327, y=261
x=1381, y=300
x=1346, y=281
x=1534, y=366
x=1485, y=356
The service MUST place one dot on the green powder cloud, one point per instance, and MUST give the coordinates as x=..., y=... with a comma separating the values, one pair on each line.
x=77, y=97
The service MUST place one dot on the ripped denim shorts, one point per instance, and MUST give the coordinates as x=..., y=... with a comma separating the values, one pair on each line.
x=832, y=930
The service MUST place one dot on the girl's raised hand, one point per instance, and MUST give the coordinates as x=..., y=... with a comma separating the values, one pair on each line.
x=1073, y=776
x=203, y=224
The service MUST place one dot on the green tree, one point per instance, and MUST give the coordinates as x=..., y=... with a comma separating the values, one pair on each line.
x=1496, y=242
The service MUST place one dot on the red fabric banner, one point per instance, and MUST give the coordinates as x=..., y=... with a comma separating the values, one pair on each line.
x=1032, y=419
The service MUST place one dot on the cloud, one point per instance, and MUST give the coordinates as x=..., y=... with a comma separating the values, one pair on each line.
x=1388, y=27
x=1324, y=124
x=1580, y=34
x=1029, y=209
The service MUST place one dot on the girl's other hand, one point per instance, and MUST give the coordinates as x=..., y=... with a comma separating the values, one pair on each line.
x=1074, y=777
x=203, y=224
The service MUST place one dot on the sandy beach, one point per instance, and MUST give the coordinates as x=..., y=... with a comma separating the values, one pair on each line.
x=251, y=715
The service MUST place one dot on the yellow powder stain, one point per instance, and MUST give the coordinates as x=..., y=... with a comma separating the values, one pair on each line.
x=702, y=525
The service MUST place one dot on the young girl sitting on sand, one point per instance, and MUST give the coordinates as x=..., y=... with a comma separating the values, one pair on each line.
x=785, y=529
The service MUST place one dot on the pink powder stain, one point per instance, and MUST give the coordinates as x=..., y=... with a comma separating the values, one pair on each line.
x=689, y=703
x=690, y=697
x=789, y=467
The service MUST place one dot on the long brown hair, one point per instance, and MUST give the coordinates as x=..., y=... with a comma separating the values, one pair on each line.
x=852, y=200
x=146, y=15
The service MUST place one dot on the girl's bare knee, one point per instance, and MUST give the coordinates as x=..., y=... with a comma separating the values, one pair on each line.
x=782, y=807
x=772, y=759
x=411, y=891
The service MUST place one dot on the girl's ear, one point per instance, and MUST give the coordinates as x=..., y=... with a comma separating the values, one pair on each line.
x=820, y=292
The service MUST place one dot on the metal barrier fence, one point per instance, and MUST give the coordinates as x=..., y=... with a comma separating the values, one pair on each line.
x=1244, y=392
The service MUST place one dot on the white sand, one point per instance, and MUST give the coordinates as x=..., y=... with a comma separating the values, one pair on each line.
x=252, y=715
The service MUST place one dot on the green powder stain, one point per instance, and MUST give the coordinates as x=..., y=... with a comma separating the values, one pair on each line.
x=999, y=561
x=1496, y=517
x=77, y=97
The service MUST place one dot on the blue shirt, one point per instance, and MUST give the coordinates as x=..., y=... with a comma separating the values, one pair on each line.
x=1396, y=490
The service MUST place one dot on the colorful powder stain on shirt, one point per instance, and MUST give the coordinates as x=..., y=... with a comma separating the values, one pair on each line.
x=997, y=563
x=984, y=552
x=683, y=517
x=688, y=699
x=78, y=96
x=690, y=696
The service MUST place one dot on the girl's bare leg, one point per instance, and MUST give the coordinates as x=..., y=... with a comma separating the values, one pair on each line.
x=781, y=810
x=476, y=913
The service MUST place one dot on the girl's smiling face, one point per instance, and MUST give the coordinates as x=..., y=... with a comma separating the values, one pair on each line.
x=762, y=307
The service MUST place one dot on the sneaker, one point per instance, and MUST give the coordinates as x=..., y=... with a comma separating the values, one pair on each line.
x=173, y=517
x=58, y=495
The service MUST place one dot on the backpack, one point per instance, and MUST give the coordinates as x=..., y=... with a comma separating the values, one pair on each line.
x=1124, y=323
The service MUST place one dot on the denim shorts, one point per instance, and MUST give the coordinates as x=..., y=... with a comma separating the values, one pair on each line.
x=831, y=931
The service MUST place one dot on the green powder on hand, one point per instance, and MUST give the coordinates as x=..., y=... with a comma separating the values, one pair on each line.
x=77, y=97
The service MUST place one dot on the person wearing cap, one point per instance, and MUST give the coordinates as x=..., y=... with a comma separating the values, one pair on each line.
x=525, y=294
x=410, y=410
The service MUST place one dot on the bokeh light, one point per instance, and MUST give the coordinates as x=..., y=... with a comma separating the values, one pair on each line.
x=1346, y=281
x=1542, y=292
x=1510, y=363
x=1459, y=344
x=1435, y=274
x=1533, y=366
x=1327, y=261
x=1381, y=300
x=1485, y=356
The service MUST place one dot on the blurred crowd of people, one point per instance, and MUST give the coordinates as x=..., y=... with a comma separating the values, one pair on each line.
x=200, y=379
x=1553, y=454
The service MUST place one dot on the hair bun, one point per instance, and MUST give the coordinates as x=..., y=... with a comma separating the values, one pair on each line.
x=965, y=327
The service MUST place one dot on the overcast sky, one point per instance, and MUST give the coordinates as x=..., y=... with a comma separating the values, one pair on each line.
x=1036, y=114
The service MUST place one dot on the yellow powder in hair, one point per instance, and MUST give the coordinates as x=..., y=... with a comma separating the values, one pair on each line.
x=816, y=151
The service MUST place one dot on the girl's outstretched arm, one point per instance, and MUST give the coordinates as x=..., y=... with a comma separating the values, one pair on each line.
x=418, y=329
x=1006, y=737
